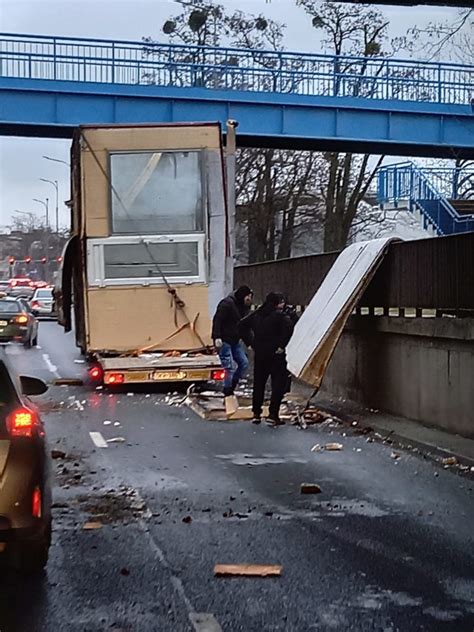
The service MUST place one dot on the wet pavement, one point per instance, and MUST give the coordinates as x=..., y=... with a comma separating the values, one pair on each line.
x=386, y=546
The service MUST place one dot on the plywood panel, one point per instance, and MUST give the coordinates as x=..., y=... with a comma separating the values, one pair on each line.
x=319, y=328
x=121, y=319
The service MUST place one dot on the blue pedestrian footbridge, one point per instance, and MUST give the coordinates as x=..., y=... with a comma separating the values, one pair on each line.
x=49, y=85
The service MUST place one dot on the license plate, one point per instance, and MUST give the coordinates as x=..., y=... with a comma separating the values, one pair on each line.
x=168, y=375
x=3, y=323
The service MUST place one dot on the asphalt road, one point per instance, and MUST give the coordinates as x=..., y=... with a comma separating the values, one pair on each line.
x=386, y=546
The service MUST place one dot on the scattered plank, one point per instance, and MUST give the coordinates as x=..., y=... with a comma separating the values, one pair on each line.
x=310, y=488
x=91, y=525
x=67, y=381
x=333, y=447
x=247, y=570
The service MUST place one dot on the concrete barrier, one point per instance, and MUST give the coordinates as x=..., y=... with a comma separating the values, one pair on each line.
x=420, y=368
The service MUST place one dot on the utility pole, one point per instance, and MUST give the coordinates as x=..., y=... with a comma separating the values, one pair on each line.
x=230, y=150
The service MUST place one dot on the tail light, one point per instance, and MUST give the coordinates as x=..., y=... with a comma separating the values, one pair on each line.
x=95, y=373
x=218, y=375
x=34, y=304
x=21, y=320
x=21, y=422
x=36, y=503
x=114, y=378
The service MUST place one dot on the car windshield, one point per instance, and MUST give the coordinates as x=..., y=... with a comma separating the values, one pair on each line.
x=43, y=294
x=9, y=307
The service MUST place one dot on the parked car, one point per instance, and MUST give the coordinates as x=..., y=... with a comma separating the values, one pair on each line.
x=17, y=323
x=25, y=481
x=42, y=302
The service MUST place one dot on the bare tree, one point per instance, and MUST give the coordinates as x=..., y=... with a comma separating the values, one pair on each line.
x=452, y=39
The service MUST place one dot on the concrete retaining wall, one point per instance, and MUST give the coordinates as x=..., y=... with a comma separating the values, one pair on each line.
x=419, y=368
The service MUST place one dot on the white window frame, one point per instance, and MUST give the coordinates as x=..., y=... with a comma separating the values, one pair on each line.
x=96, y=262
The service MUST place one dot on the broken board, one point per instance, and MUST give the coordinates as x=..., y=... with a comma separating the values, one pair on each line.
x=320, y=326
x=213, y=408
x=247, y=570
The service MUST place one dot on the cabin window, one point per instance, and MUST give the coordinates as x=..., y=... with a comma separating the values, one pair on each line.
x=157, y=193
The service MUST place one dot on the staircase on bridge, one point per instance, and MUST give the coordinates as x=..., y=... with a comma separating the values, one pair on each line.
x=440, y=197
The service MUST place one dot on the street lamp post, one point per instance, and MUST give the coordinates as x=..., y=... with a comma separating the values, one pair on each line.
x=46, y=206
x=56, y=186
x=56, y=160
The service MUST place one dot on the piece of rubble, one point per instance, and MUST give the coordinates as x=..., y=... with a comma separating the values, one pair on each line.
x=107, y=422
x=395, y=455
x=125, y=572
x=450, y=460
x=316, y=448
x=333, y=447
x=310, y=488
x=116, y=440
x=91, y=525
x=247, y=570
x=187, y=519
x=58, y=454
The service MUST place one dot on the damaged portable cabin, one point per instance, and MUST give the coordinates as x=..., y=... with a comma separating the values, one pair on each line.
x=149, y=256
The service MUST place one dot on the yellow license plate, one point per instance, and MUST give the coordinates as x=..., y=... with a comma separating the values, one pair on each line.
x=168, y=375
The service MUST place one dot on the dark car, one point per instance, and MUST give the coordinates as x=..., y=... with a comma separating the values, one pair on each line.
x=25, y=487
x=17, y=323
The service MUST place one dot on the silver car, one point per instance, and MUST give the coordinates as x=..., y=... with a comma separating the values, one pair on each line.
x=41, y=302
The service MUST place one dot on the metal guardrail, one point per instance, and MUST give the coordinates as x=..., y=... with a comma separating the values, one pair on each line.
x=144, y=63
x=433, y=274
x=406, y=181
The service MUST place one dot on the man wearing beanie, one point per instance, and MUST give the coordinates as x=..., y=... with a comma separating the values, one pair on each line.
x=226, y=335
x=268, y=330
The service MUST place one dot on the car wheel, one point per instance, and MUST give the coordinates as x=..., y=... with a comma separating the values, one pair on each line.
x=31, y=556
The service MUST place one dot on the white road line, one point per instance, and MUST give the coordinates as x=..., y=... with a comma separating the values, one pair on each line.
x=98, y=440
x=51, y=367
x=204, y=622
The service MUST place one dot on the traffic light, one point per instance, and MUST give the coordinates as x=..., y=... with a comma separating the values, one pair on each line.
x=28, y=260
x=59, y=259
x=43, y=259
x=11, y=260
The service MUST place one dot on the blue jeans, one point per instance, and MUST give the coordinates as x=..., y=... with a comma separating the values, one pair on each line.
x=230, y=354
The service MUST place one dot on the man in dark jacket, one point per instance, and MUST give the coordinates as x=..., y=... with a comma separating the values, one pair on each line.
x=226, y=335
x=268, y=330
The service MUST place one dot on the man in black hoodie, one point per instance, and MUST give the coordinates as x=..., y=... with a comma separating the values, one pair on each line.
x=226, y=335
x=268, y=330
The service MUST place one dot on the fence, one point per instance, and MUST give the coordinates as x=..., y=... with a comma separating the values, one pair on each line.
x=435, y=274
x=147, y=63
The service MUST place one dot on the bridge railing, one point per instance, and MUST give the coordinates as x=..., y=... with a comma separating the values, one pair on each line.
x=406, y=181
x=147, y=63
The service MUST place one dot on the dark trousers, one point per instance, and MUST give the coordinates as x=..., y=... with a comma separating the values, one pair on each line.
x=266, y=366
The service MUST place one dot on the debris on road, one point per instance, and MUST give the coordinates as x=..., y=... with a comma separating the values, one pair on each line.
x=107, y=422
x=116, y=440
x=333, y=447
x=124, y=571
x=450, y=460
x=187, y=519
x=395, y=455
x=91, y=525
x=247, y=570
x=58, y=454
x=310, y=488
x=66, y=381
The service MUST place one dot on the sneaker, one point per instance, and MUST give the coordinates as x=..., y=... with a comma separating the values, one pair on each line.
x=257, y=420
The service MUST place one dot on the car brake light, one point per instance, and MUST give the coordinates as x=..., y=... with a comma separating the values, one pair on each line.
x=21, y=319
x=36, y=503
x=20, y=422
x=114, y=378
x=218, y=375
x=95, y=373
x=34, y=304
x=12, y=283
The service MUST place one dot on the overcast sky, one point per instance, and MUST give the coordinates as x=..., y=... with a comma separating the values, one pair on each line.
x=21, y=161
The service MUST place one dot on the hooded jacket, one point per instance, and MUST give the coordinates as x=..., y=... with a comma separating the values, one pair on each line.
x=230, y=311
x=266, y=329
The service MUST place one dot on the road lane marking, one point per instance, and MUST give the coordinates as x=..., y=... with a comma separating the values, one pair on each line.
x=204, y=622
x=51, y=367
x=98, y=440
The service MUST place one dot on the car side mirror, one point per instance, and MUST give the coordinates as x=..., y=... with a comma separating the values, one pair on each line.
x=32, y=385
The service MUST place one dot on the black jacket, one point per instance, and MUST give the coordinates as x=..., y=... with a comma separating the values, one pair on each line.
x=225, y=324
x=266, y=330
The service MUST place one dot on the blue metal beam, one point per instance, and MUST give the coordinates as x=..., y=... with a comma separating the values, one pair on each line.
x=265, y=119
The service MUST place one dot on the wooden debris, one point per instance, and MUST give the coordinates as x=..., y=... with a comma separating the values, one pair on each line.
x=310, y=488
x=91, y=525
x=395, y=455
x=231, y=404
x=450, y=460
x=66, y=381
x=333, y=447
x=247, y=570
